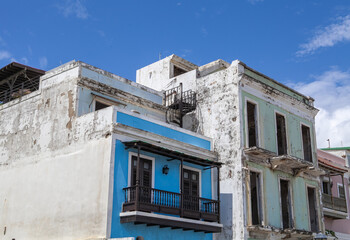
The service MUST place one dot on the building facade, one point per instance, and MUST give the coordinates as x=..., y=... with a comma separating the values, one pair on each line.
x=264, y=134
x=335, y=193
x=86, y=154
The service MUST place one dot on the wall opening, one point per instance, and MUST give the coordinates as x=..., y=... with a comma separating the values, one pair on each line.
x=306, y=143
x=311, y=193
x=252, y=125
x=255, y=198
x=286, y=207
x=178, y=71
x=100, y=105
x=281, y=134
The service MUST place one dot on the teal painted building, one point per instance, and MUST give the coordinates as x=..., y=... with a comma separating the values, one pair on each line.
x=264, y=134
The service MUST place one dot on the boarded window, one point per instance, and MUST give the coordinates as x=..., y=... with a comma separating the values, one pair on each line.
x=255, y=198
x=285, y=204
x=178, y=71
x=306, y=143
x=341, y=191
x=281, y=134
x=312, y=209
x=252, y=125
x=100, y=105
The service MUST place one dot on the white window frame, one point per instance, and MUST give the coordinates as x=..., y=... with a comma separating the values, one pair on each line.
x=247, y=99
x=130, y=167
x=199, y=175
x=301, y=140
x=262, y=195
x=287, y=137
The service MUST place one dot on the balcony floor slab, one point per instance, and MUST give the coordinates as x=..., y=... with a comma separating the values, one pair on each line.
x=138, y=217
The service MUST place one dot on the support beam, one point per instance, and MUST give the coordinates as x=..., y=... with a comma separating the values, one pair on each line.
x=13, y=77
x=218, y=190
x=138, y=179
x=182, y=188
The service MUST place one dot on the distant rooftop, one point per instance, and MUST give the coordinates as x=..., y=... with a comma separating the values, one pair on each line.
x=336, y=148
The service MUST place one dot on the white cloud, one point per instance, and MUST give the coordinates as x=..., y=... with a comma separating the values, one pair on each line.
x=327, y=37
x=331, y=91
x=43, y=62
x=74, y=7
x=4, y=55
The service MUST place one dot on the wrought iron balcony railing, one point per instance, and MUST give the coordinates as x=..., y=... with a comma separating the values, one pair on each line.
x=155, y=200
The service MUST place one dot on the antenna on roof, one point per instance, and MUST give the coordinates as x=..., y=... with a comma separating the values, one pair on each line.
x=160, y=56
x=329, y=143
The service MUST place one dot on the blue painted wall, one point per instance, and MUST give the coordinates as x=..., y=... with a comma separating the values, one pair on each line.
x=170, y=182
x=161, y=130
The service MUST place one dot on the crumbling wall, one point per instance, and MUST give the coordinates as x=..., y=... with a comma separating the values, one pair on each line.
x=54, y=167
x=219, y=118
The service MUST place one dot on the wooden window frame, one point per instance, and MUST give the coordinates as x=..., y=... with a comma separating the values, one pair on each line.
x=257, y=126
x=302, y=141
x=291, y=201
x=286, y=132
x=261, y=202
x=131, y=154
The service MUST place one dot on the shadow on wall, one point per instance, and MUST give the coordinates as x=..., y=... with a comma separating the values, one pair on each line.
x=225, y=216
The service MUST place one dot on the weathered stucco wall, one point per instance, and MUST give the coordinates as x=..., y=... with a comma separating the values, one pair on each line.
x=54, y=167
x=219, y=118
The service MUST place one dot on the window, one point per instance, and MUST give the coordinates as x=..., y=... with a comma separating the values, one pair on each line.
x=255, y=198
x=191, y=189
x=306, y=143
x=286, y=207
x=145, y=172
x=312, y=209
x=326, y=187
x=252, y=125
x=281, y=134
x=341, y=192
x=100, y=105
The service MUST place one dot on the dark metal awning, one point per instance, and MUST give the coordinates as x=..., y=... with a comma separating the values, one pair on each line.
x=170, y=153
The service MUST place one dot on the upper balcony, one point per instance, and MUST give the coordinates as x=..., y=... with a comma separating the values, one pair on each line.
x=285, y=162
x=333, y=186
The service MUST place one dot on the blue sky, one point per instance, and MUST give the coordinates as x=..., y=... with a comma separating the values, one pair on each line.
x=304, y=44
